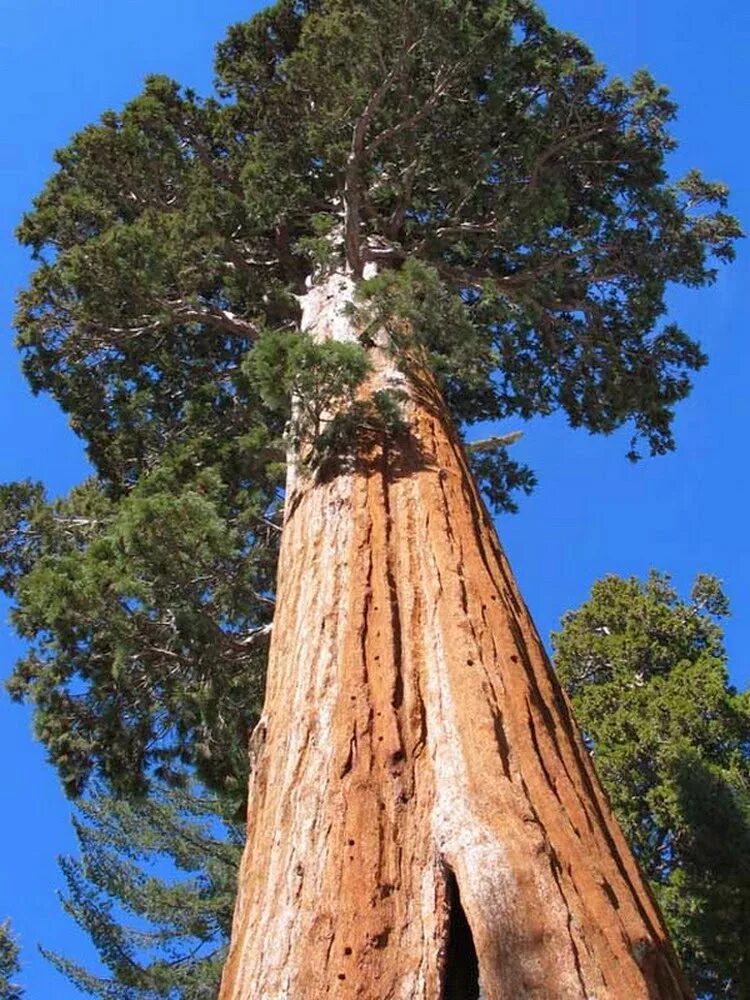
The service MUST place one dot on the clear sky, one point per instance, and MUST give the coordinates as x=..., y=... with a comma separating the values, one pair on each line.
x=62, y=62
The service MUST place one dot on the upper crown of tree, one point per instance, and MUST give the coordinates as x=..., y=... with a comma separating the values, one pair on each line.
x=529, y=192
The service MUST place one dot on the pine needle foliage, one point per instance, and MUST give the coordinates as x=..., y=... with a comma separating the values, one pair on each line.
x=10, y=964
x=142, y=616
x=154, y=889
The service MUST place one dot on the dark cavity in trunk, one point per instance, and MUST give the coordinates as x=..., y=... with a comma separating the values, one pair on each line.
x=461, y=964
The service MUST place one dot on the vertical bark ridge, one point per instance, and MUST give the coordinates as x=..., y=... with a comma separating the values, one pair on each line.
x=551, y=754
x=416, y=734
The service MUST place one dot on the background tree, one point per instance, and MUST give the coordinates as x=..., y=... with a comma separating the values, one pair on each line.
x=647, y=675
x=154, y=889
x=467, y=222
x=10, y=965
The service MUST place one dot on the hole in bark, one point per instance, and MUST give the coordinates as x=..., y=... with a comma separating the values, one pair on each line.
x=380, y=940
x=351, y=843
x=347, y=951
x=461, y=981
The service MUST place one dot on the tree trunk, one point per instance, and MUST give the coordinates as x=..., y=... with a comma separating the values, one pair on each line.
x=424, y=821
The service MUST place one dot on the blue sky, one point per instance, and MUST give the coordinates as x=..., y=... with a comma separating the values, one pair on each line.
x=62, y=62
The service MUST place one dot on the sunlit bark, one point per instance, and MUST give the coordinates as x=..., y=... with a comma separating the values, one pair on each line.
x=424, y=820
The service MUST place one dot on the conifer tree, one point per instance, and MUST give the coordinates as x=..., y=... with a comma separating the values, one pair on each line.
x=393, y=220
x=153, y=888
x=647, y=675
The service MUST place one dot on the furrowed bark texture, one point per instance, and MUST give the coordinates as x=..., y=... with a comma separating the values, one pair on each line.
x=418, y=765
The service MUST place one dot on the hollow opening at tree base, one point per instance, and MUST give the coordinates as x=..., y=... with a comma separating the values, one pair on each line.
x=461, y=978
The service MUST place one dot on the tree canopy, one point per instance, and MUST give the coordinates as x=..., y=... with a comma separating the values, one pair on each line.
x=147, y=619
x=647, y=672
x=518, y=205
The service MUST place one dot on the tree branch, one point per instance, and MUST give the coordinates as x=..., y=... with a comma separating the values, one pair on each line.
x=442, y=82
x=557, y=147
x=353, y=173
x=398, y=216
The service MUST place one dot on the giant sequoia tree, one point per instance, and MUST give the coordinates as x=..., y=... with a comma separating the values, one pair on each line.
x=393, y=221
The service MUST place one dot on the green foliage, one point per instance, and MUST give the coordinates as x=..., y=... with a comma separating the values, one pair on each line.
x=9, y=964
x=476, y=138
x=671, y=740
x=417, y=309
x=352, y=431
x=493, y=149
x=318, y=379
x=500, y=475
x=519, y=209
x=141, y=617
x=315, y=386
x=154, y=889
x=19, y=503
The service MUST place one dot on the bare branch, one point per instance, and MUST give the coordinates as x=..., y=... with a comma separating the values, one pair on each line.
x=254, y=637
x=224, y=319
x=353, y=175
x=176, y=313
x=496, y=441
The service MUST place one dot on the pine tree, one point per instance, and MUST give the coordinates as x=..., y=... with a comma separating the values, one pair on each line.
x=153, y=888
x=10, y=965
x=647, y=675
x=394, y=220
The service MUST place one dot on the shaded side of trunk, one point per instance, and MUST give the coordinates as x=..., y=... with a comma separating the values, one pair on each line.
x=424, y=821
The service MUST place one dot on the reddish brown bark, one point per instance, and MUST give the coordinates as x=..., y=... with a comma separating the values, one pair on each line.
x=421, y=792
